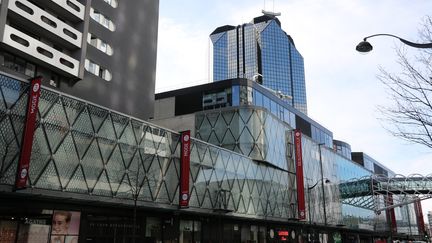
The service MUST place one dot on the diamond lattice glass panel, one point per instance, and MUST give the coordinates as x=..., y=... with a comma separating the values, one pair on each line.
x=83, y=123
x=145, y=193
x=66, y=160
x=77, y=183
x=9, y=148
x=8, y=139
x=46, y=101
x=49, y=178
x=11, y=91
x=13, y=105
x=106, y=130
x=98, y=116
x=128, y=152
x=9, y=172
x=147, y=159
x=87, y=149
x=55, y=124
x=102, y=187
x=115, y=169
x=220, y=128
x=162, y=196
x=194, y=198
x=119, y=122
x=155, y=176
x=138, y=130
x=91, y=162
x=197, y=155
x=128, y=136
x=167, y=169
x=17, y=115
x=172, y=179
x=41, y=154
x=108, y=148
x=213, y=138
x=125, y=188
x=205, y=129
x=207, y=200
x=73, y=108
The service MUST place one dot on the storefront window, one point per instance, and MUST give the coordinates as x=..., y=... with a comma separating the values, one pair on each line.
x=40, y=226
x=8, y=231
x=18, y=64
x=153, y=230
x=34, y=233
x=65, y=227
x=190, y=231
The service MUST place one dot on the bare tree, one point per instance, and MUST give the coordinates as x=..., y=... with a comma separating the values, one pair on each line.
x=136, y=179
x=410, y=115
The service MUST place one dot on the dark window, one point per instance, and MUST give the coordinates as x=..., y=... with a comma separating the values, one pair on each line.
x=18, y=64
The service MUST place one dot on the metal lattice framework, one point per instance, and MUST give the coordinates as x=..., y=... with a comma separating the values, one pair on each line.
x=379, y=192
x=81, y=148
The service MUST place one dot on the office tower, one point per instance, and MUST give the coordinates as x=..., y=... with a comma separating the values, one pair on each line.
x=102, y=51
x=261, y=51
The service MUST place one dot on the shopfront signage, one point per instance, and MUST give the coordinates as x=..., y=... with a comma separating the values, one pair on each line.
x=419, y=212
x=283, y=235
x=29, y=130
x=391, y=212
x=299, y=175
x=184, y=169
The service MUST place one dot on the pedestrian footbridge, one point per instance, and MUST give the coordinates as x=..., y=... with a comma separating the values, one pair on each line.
x=380, y=192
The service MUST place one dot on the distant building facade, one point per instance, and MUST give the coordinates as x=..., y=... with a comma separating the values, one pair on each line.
x=260, y=51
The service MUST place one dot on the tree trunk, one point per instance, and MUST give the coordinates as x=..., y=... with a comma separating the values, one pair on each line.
x=134, y=219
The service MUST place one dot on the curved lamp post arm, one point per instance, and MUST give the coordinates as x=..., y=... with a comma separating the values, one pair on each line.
x=316, y=183
x=365, y=46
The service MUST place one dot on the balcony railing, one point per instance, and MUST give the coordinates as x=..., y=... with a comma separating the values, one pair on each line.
x=35, y=48
x=73, y=8
x=47, y=21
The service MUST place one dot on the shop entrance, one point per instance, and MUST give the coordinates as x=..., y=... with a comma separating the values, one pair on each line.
x=190, y=231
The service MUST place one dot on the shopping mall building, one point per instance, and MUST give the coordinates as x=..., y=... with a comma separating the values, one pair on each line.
x=229, y=161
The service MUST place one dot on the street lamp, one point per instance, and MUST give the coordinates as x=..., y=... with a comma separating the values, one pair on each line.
x=323, y=180
x=322, y=183
x=365, y=46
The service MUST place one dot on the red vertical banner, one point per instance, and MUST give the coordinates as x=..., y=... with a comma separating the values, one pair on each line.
x=184, y=169
x=391, y=213
x=299, y=175
x=419, y=214
x=29, y=130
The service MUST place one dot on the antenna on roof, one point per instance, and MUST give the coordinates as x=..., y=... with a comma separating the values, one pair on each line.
x=270, y=13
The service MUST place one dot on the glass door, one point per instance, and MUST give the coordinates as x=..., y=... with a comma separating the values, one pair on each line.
x=190, y=231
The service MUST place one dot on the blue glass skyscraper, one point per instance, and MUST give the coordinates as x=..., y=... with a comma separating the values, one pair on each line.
x=260, y=51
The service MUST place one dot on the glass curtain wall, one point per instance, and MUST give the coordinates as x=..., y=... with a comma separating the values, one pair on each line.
x=83, y=148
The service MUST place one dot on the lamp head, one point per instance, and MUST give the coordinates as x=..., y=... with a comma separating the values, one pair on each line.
x=364, y=47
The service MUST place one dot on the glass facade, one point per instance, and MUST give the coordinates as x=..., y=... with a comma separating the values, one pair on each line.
x=83, y=148
x=86, y=150
x=342, y=148
x=251, y=131
x=256, y=133
x=261, y=47
x=281, y=110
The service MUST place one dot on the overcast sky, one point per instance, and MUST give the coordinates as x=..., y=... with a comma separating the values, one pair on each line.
x=343, y=92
